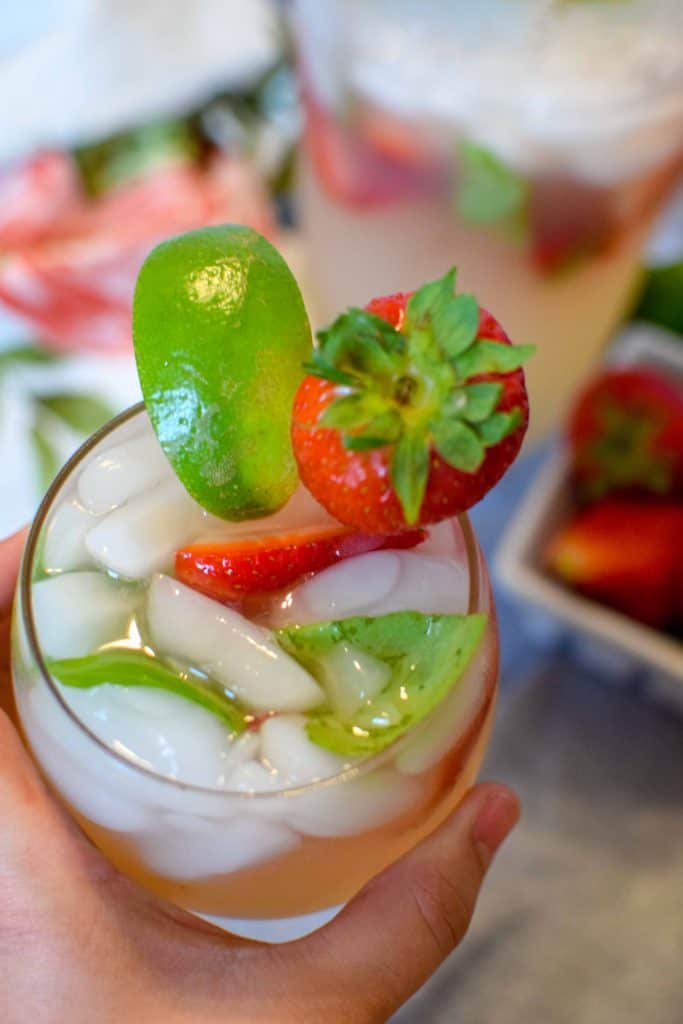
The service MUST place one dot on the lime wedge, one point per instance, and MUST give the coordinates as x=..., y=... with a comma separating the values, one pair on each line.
x=221, y=333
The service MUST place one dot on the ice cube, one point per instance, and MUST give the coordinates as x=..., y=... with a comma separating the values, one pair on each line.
x=345, y=589
x=242, y=656
x=78, y=770
x=173, y=737
x=344, y=808
x=352, y=677
x=205, y=848
x=64, y=548
x=142, y=537
x=429, y=585
x=286, y=749
x=253, y=777
x=114, y=476
x=301, y=511
x=77, y=612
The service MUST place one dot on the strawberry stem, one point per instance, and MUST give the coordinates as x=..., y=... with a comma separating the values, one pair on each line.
x=418, y=388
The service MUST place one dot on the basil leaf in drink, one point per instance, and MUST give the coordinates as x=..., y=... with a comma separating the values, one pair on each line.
x=122, y=667
x=490, y=192
x=427, y=655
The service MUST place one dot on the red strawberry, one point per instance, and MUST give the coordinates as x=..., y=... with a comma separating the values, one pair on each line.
x=411, y=411
x=232, y=570
x=626, y=434
x=624, y=554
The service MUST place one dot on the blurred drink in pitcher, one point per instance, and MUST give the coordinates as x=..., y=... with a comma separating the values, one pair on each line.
x=531, y=142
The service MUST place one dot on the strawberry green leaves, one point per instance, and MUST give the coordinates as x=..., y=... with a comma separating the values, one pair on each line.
x=419, y=388
x=409, y=473
x=458, y=444
x=491, y=357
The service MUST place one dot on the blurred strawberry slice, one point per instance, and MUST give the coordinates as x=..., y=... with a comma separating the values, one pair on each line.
x=231, y=571
x=624, y=554
x=353, y=170
x=74, y=283
x=33, y=195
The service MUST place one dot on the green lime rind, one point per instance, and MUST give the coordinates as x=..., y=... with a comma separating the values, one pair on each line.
x=427, y=655
x=122, y=667
x=221, y=333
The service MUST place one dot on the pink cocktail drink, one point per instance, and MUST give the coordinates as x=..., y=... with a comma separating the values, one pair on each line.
x=264, y=823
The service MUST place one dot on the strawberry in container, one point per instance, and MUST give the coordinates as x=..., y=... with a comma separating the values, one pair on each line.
x=623, y=545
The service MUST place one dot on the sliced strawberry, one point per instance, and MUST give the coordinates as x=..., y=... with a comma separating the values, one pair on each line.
x=230, y=571
x=623, y=554
x=351, y=169
x=411, y=411
x=72, y=277
x=626, y=434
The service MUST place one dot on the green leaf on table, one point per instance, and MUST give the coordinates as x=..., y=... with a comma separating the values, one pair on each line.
x=661, y=300
x=132, y=154
x=25, y=355
x=83, y=413
x=47, y=458
x=122, y=667
x=427, y=655
x=488, y=191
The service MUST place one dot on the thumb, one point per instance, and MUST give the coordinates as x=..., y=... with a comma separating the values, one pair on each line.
x=395, y=933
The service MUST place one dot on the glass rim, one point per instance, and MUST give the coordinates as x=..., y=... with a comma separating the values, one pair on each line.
x=24, y=603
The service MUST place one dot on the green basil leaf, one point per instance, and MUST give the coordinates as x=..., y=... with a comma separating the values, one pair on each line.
x=84, y=413
x=490, y=192
x=427, y=656
x=122, y=667
x=48, y=461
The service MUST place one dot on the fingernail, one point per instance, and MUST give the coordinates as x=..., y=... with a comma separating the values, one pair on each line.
x=495, y=822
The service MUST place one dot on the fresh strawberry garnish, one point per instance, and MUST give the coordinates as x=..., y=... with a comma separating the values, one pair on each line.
x=625, y=554
x=411, y=411
x=233, y=570
x=626, y=434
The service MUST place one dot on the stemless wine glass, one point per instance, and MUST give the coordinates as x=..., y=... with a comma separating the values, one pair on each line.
x=249, y=855
x=530, y=143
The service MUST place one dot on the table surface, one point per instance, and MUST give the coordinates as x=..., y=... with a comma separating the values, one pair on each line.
x=582, y=916
x=581, y=919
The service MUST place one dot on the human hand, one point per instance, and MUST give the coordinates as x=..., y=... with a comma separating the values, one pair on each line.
x=79, y=942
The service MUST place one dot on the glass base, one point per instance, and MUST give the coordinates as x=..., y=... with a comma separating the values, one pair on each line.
x=277, y=929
